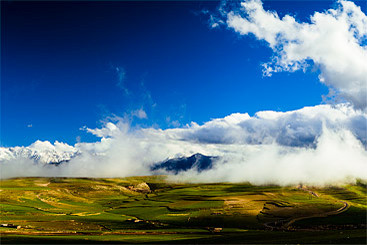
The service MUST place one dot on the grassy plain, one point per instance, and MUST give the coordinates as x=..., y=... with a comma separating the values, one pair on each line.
x=152, y=210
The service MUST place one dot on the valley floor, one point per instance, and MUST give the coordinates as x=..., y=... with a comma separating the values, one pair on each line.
x=153, y=210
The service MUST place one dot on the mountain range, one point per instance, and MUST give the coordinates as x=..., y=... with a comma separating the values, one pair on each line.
x=44, y=152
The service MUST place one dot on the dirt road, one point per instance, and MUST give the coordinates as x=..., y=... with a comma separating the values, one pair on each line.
x=285, y=223
x=335, y=212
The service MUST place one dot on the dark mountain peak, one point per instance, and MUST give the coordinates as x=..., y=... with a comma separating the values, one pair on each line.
x=175, y=165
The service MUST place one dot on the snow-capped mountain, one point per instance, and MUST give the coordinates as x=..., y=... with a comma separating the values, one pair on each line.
x=41, y=152
x=44, y=152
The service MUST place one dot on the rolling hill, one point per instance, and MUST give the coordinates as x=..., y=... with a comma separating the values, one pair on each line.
x=153, y=210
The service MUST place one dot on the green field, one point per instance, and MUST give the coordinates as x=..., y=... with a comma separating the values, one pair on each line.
x=152, y=210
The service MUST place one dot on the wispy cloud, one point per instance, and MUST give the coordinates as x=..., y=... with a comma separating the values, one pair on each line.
x=139, y=113
x=121, y=77
x=174, y=123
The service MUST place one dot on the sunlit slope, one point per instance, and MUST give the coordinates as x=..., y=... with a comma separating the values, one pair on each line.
x=144, y=207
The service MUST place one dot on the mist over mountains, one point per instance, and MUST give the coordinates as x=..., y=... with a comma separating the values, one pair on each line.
x=43, y=152
x=318, y=145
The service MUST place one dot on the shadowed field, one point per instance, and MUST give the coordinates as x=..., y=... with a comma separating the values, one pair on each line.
x=152, y=210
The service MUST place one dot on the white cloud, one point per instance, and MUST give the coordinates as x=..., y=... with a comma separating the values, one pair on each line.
x=292, y=128
x=174, y=123
x=140, y=113
x=109, y=130
x=121, y=77
x=335, y=41
x=270, y=147
x=337, y=158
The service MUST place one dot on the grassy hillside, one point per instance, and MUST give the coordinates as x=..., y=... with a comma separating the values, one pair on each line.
x=149, y=209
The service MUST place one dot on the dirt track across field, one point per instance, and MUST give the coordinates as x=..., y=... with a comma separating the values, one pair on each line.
x=284, y=224
x=335, y=212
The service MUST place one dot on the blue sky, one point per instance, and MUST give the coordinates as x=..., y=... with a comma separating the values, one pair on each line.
x=67, y=65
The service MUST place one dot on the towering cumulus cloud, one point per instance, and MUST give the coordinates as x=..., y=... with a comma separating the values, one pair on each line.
x=333, y=41
x=323, y=144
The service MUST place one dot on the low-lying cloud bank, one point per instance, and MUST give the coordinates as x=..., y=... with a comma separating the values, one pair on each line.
x=317, y=145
